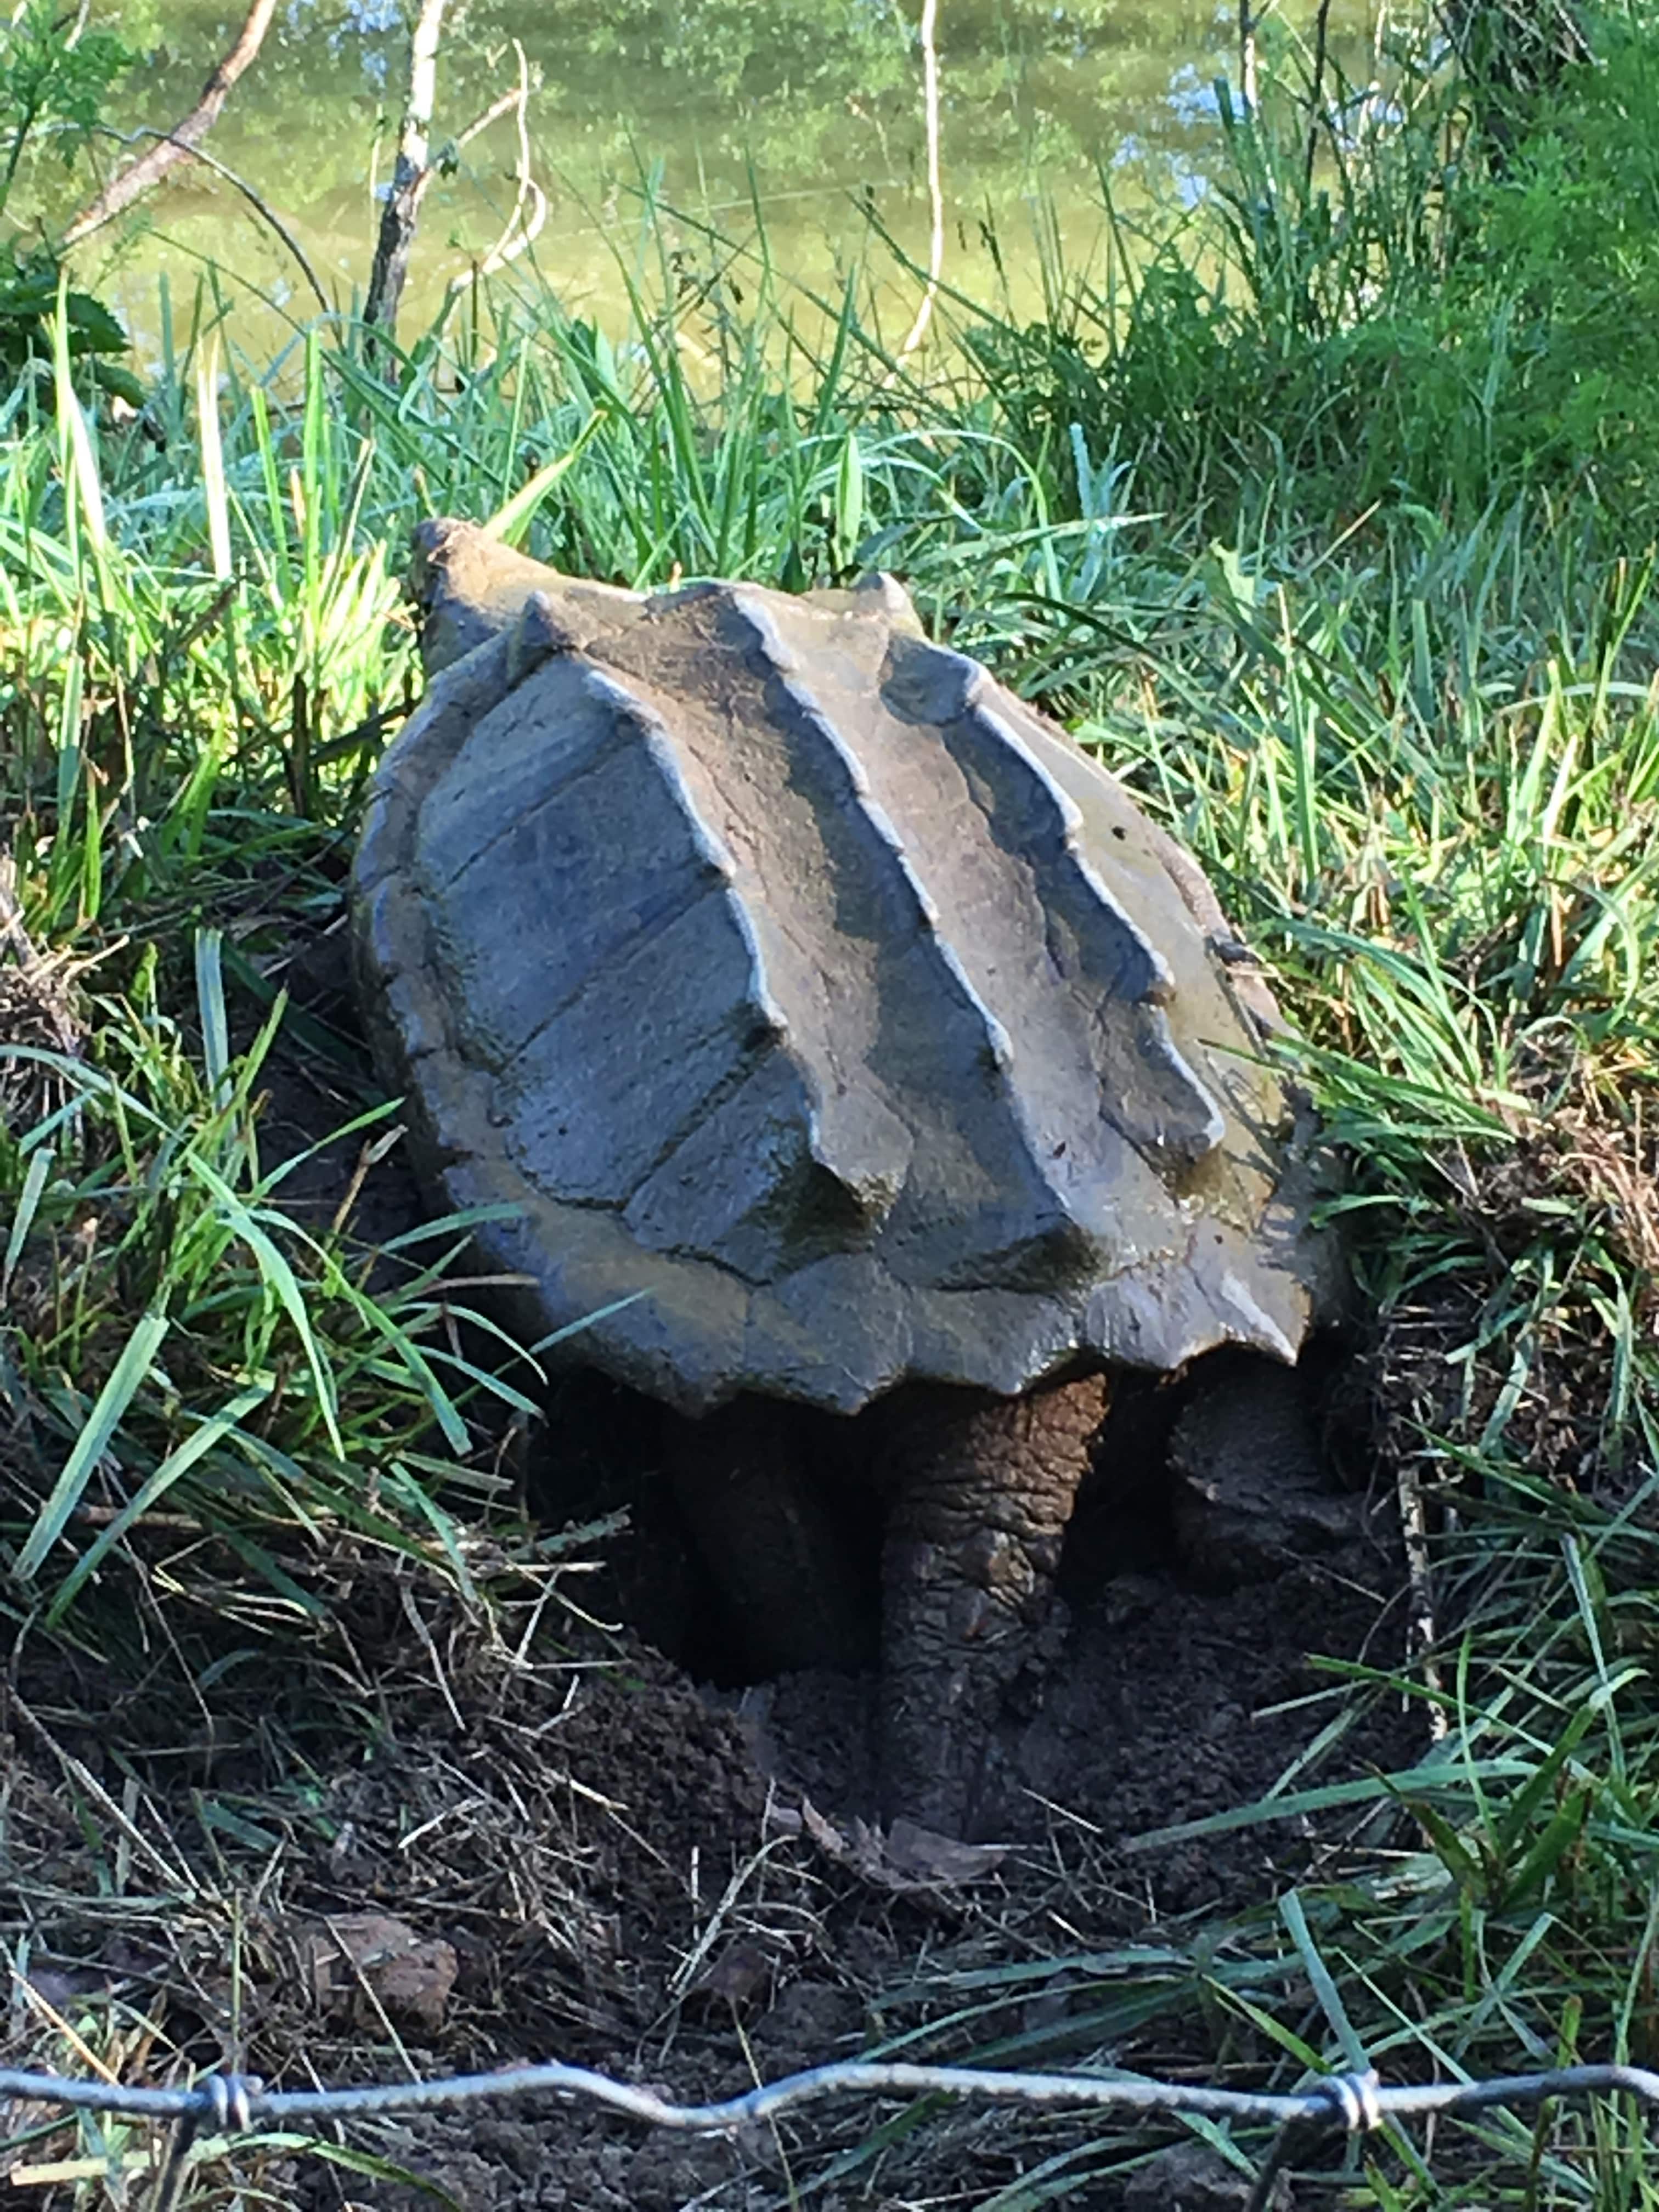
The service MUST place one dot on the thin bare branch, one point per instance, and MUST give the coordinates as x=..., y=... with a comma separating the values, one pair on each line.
x=493, y=113
x=918, y=329
x=411, y=175
x=176, y=145
x=261, y=207
x=520, y=230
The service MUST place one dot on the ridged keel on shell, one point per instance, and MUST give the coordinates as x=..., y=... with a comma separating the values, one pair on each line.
x=796, y=983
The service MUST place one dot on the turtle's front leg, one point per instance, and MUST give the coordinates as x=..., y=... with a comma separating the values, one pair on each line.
x=982, y=1488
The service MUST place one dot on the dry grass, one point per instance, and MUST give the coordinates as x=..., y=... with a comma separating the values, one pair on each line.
x=38, y=1011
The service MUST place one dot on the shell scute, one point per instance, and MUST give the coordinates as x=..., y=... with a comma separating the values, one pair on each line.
x=780, y=965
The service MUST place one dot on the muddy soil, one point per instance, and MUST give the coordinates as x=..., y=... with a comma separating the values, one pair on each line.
x=608, y=1844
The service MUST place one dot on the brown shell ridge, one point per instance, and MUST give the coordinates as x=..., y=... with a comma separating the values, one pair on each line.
x=905, y=1078
x=783, y=968
x=1002, y=906
x=1157, y=1103
x=935, y=1065
x=509, y=1006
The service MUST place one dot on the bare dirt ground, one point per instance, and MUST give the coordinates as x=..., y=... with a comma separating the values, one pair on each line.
x=592, y=1858
x=420, y=1839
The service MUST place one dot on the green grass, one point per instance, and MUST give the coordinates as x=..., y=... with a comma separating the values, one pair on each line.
x=1329, y=520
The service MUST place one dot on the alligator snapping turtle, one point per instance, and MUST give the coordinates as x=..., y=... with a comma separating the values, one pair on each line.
x=837, y=1032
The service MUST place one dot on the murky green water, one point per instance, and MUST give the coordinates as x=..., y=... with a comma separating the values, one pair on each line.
x=803, y=112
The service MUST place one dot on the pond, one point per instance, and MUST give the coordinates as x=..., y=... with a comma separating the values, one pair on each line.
x=799, y=118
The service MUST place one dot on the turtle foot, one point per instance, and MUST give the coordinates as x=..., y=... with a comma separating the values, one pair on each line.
x=983, y=1489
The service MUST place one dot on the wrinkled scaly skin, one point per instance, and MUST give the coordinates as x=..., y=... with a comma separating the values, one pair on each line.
x=978, y=1492
x=983, y=1489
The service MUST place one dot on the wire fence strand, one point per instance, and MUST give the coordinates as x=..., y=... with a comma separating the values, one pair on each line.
x=232, y=2104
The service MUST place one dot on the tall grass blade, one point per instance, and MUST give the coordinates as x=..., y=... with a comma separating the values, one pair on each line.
x=1325, y=1994
x=121, y=1387
x=154, y=1487
x=41, y=1162
x=280, y=1279
x=213, y=458
x=216, y=1020
x=78, y=462
x=514, y=516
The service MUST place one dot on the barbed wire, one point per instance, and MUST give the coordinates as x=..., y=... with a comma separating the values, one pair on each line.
x=1351, y=2103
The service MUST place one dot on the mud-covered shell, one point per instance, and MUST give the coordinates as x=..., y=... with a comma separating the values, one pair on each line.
x=824, y=1017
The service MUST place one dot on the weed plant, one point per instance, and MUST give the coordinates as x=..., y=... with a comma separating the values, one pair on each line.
x=1327, y=517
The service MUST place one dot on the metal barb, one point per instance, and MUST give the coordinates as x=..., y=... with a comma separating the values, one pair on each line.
x=224, y=2102
x=1352, y=2102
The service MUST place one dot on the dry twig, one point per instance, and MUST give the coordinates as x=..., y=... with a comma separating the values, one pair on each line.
x=182, y=140
x=520, y=230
